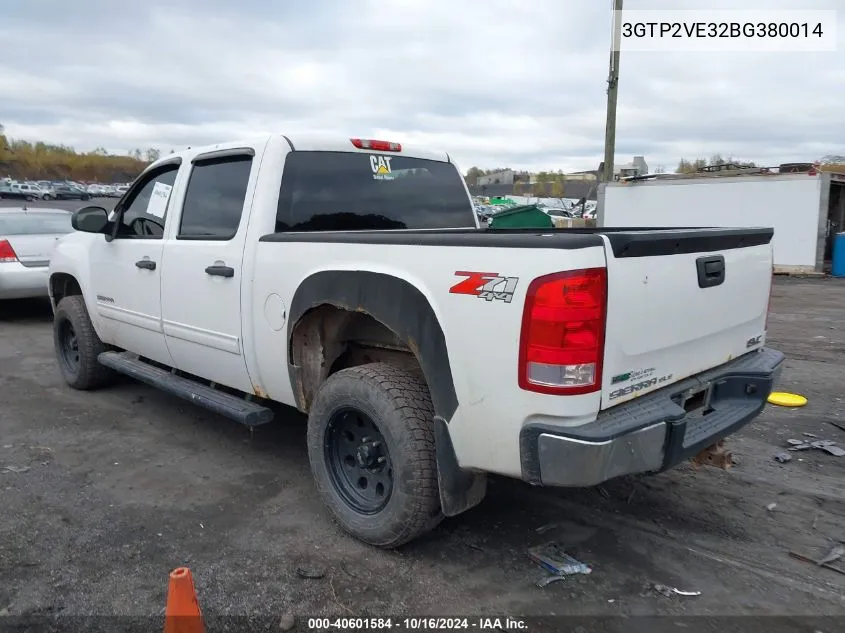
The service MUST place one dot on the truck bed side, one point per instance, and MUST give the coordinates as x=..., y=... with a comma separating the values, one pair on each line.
x=447, y=269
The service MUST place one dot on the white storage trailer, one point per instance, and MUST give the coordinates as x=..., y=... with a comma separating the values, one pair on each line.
x=805, y=209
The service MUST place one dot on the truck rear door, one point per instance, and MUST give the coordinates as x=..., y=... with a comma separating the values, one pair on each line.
x=679, y=302
x=202, y=277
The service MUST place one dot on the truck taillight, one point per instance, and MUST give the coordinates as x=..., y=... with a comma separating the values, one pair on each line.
x=563, y=325
x=7, y=253
x=379, y=146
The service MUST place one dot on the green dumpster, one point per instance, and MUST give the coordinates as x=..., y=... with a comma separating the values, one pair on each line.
x=499, y=200
x=528, y=216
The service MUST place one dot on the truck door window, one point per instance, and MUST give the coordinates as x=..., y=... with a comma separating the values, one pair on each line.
x=214, y=201
x=348, y=191
x=143, y=216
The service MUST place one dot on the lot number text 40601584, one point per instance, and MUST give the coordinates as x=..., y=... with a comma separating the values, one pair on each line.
x=417, y=624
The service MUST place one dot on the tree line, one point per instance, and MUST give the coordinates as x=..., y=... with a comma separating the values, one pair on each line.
x=717, y=160
x=685, y=166
x=546, y=183
x=26, y=160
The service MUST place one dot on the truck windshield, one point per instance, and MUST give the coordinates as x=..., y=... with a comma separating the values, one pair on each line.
x=353, y=191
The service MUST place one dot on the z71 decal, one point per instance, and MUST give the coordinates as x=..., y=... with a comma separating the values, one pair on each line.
x=487, y=286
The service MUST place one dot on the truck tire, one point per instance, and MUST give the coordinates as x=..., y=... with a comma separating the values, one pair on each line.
x=78, y=346
x=372, y=454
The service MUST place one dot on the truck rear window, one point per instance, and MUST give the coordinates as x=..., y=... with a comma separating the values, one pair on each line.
x=350, y=191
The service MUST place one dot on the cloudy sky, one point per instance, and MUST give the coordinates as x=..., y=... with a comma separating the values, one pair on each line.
x=493, y=82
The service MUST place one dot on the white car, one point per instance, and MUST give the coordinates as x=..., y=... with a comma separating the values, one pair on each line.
x=27, y=240
x=31, y=191
x=557, y=212
x=347, y=278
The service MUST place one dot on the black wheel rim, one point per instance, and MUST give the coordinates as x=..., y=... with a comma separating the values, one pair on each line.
x=358, y=461
x=69, y=346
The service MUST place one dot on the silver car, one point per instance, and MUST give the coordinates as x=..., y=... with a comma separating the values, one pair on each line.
x=32, y=191
x=27, y=240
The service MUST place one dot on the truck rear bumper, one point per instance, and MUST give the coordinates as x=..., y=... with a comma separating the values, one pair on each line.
x=655, y=432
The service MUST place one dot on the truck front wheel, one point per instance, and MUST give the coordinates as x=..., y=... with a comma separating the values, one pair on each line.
x=78, y=346
x=372, y=454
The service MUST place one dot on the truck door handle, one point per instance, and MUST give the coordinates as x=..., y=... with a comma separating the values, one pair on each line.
x=220, y=271
x=711, y=271
x=146, y=264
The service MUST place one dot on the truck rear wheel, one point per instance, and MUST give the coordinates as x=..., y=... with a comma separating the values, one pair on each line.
x=78, y=346
x=371, y=448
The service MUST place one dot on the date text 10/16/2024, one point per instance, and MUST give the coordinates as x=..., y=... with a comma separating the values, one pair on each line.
x=417, y=624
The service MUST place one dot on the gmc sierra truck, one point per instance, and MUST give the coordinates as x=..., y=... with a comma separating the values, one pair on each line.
x=349, y=278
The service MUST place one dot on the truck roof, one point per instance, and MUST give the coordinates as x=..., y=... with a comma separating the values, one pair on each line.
x=315, y=142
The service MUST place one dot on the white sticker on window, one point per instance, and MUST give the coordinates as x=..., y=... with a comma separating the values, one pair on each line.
x=157, y=206
x=381, y=167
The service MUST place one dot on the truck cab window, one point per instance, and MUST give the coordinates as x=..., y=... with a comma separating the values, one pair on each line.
x=214, y=201
x=144, y=214
x=349, y=191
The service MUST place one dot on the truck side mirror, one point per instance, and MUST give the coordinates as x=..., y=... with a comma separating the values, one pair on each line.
x=90, y=219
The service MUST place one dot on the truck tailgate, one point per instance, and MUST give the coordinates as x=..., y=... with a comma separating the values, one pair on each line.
x=679, y=302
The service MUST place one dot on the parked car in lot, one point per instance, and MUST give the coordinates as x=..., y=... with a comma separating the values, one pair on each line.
x=32, y=191
x=100, y=191
x=27, y=240
x=557, y=212
x=69, y=192
x=347, y=278
x=47, y=191
x=10, y=192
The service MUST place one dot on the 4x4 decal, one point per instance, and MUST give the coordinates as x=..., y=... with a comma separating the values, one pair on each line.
x=487, y=286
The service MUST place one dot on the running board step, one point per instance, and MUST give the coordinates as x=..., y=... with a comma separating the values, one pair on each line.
x=233, y=407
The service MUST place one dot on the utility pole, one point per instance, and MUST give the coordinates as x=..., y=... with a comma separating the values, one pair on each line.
x=612, y=91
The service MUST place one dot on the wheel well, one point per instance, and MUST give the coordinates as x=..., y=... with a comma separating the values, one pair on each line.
x=63, y=285
x=328, y=338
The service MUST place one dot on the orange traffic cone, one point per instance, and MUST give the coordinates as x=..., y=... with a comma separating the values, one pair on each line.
x=182, y=614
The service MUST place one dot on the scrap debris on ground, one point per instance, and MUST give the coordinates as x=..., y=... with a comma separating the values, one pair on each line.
x=557, y=562
x=828, y=446
x=826, y=561
x=672, y=591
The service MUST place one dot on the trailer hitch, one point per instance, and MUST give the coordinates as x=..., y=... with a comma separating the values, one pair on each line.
x=715, y=455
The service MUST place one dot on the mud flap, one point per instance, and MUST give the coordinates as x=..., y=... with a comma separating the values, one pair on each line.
x=460, y=489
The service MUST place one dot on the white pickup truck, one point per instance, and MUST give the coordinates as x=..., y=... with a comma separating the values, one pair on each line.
x=349, y=279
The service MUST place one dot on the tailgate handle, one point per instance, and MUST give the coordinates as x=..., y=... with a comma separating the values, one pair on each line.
x=711, y=270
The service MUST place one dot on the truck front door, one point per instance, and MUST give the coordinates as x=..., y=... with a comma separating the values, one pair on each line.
x=126, y=271
x=203, y=256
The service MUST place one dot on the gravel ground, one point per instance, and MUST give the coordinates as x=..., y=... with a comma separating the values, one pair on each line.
x=125, y=484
